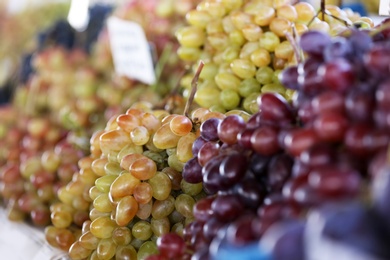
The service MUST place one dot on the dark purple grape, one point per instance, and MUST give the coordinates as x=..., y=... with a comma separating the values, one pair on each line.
x=361, y=42
x=298, y=140
x=233, y=168
x=275, y=107
x=289, y=78
x=211, y=228
x=330, y=127
x=229, y=128
x=212, y=180
x=329, y=101
x=362, y=140
x=244, y=138
x=192, y=171
x=334, y=182
x=251, y=193
x=171, y=245
x=338, y=75
x=311, y=82
x=227, y=207
x=382, y=95
x=240, y=232
x=314, y=42
x=276, y=208
x=208, y=151
x=198, y=143
x=254, y=121
x=265, y=140
x=382, y=119
x=338, y=48
x=202, y=209
x=359, y=106
x=318, y=155
x=377, y=60
x=209, y=129
x=279, y=170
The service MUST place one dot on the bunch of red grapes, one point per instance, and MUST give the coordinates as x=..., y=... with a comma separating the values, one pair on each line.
x=300, y=177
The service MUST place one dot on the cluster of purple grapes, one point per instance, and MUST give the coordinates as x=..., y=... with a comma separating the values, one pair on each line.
x=318, y=168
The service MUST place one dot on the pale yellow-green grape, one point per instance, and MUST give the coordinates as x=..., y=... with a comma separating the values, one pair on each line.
x=160, y=226
x=250, y=103
x=184, y=147
x=122, y=236
x=261, y=57
x=164, y=137
x=103, y=227
x=269, y=41
x=319, y=25
x=198, y=18
x=284, y=50
x=249, y=86
x=142, y=230
x=280, y=26
x=89, y=241
x=106, y=249
x=126, y=210
x=227, y=81
x=148, y=248
x=230, y=99
x=273, y=87
x=248, y=48
x=184, y=204
x=305, y=12
x=264, y=75
x=162, y=208
x=161, y=185
x=190, y=36
x=264, y=15
x=243, y=68
x=288, y=12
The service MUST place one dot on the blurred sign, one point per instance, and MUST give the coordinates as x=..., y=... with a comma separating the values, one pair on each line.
x=384, y=7
x=130, y=50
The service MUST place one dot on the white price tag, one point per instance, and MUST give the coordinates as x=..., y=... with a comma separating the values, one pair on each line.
x=130, y=50
x=384, y=7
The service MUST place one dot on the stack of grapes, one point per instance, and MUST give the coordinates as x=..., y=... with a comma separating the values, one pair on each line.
x=67, y=98
x=323, y=157
x=245, y=45
x=139, y=193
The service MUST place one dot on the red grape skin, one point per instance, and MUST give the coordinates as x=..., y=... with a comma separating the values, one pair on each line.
x=298, y=140
x=229, y=128
x=265, y=140
x=330, y=127
x=171, y=245
x=334, y=182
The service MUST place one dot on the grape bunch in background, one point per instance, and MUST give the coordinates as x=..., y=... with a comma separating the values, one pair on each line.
x=324, y=156
x=245, y=45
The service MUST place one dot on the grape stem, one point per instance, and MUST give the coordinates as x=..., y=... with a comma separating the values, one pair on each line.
x=293, y=42
x=194, y=88
x=324, y=13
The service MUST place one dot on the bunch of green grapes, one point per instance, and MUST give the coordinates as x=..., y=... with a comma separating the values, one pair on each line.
x=245, y=44
x=131, y=185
